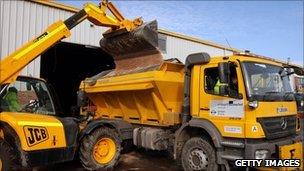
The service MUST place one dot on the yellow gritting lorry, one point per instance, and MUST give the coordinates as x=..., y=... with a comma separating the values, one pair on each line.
x=31, y=132
x=206, y=113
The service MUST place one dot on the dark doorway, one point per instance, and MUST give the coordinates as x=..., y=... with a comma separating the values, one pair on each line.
x=65, y=65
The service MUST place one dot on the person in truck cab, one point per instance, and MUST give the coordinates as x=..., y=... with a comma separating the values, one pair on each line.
x=216, y=88
x=233, y=84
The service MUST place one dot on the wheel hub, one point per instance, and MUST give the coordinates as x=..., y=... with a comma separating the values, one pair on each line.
x=198, y=160
x=104, y=150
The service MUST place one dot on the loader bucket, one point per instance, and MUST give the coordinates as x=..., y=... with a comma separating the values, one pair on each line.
x=122, y=44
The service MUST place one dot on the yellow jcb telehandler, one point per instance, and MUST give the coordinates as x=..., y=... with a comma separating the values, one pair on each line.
x=31, y=133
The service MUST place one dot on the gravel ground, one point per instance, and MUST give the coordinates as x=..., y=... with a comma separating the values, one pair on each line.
x=136, y=160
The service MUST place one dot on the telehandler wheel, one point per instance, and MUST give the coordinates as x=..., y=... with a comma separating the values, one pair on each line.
x=7, y=157
x=198, y=154
x=100, y=149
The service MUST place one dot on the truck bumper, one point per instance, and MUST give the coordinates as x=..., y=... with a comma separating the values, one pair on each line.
x=283, y=148
x=288, y=147
x=279, y=148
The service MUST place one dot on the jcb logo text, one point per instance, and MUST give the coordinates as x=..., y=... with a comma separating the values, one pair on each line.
x=35, y=135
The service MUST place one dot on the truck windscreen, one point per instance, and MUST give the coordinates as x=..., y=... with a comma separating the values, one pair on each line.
x=267, y=82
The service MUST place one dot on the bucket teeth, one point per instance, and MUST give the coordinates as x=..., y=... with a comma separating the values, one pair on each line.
x=121, y=43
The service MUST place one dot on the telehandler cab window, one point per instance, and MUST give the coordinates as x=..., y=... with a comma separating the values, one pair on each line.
x=27, y=95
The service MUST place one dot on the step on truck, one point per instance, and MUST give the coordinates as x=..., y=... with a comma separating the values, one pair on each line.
x=206, y=113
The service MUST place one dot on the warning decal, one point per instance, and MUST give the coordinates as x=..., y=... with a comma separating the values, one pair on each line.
x=233, y=129
x=227, y=108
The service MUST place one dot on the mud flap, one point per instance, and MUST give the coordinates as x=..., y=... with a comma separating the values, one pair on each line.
x=71, y=130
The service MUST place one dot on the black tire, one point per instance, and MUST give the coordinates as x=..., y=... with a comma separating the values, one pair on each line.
x=7, y=157
x=198, y=154
x=87, y=146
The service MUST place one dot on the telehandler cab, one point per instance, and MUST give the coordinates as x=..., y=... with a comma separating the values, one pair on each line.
x=31, y=133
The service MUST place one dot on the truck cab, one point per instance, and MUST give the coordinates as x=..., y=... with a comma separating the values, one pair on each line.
x=249, y=104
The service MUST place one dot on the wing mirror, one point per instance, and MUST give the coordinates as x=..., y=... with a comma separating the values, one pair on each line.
x=223, y=90
x=224, y=76
x=235, y=95
x=223, y=70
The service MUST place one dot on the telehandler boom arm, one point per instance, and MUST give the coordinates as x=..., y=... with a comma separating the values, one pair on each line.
x=11, y=66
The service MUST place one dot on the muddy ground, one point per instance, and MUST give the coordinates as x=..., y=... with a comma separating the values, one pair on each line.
x=136, y=160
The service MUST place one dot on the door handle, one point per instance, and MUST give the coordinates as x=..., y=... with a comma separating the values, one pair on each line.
x=204, y=108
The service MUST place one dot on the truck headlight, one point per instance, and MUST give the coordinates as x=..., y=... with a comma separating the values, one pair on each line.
x=261, y=154
x=302, y=103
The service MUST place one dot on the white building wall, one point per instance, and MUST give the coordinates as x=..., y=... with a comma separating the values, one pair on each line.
x=22, y=21
x=181, y=48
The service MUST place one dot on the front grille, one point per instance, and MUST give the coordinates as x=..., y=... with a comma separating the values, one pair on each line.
x=278, y=127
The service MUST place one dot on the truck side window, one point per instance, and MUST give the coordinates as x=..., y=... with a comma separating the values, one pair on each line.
x=212, y=81
x=211, y=78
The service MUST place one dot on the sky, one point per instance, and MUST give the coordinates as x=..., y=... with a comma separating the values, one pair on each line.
x=268, y=28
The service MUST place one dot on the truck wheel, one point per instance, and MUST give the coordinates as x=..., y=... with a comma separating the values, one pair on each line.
x=7, y=157
x=100, y=149
x=198, y=154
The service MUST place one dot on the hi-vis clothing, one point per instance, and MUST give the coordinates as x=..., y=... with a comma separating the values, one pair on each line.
x=216, y=88
x=11, y=99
